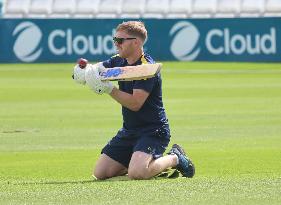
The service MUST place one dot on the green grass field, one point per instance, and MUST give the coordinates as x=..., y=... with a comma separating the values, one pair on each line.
x=226, y=115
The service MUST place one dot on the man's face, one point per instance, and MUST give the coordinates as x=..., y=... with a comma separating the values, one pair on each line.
x=126, y=47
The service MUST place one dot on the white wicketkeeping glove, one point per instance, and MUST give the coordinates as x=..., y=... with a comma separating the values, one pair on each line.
x=93, y=79
x=79, y=74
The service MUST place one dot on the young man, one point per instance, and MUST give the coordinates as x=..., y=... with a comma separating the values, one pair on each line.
x=138, y=147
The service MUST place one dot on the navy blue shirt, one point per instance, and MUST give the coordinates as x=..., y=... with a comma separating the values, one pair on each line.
x=152, y=113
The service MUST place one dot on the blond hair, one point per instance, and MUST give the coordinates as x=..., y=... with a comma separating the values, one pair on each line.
x=134, y=28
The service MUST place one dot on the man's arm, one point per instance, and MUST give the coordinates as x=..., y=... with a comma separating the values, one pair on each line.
x=133, y=101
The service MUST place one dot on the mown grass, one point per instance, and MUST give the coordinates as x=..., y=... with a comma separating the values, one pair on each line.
x=226, y=115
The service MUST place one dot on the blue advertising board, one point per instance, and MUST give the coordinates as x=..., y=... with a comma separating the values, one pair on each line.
x=65, y=40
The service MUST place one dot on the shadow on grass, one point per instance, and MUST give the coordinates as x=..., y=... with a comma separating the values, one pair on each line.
x=168, y=174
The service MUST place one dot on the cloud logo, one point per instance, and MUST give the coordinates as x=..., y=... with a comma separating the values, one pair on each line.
x=28, y=37
x=184, y=45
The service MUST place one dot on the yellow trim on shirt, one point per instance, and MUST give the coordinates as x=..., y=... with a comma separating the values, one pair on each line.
x=115, y=55
x=143, y=60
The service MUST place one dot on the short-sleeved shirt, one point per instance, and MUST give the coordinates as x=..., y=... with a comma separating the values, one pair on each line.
x=152, y=113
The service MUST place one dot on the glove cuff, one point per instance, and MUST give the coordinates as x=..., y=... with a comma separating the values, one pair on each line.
x=110, y=87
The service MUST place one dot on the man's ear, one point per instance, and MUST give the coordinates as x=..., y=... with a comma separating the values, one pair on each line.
x=139, y=42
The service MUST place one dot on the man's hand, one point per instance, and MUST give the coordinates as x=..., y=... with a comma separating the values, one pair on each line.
x=79, y=74
x=93, y=80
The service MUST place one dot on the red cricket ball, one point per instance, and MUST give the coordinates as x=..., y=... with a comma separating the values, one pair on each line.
x=82, y=62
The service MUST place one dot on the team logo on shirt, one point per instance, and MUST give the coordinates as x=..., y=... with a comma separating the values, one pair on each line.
x=184, y=45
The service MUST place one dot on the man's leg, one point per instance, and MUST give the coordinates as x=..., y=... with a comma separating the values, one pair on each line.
x=147, y=159
x=106, y=167
x=143, y=166
x=115, y=157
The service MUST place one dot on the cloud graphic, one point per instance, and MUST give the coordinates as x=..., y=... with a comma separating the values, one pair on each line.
x=185, y=39
x=28, y=37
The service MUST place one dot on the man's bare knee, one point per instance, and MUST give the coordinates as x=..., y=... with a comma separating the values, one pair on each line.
x=99, y=174
x=105, y=174
x=139, y=166
x=136, y=173
x=107, y=168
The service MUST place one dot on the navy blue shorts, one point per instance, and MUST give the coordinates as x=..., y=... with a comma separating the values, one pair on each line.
x=124, y=144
